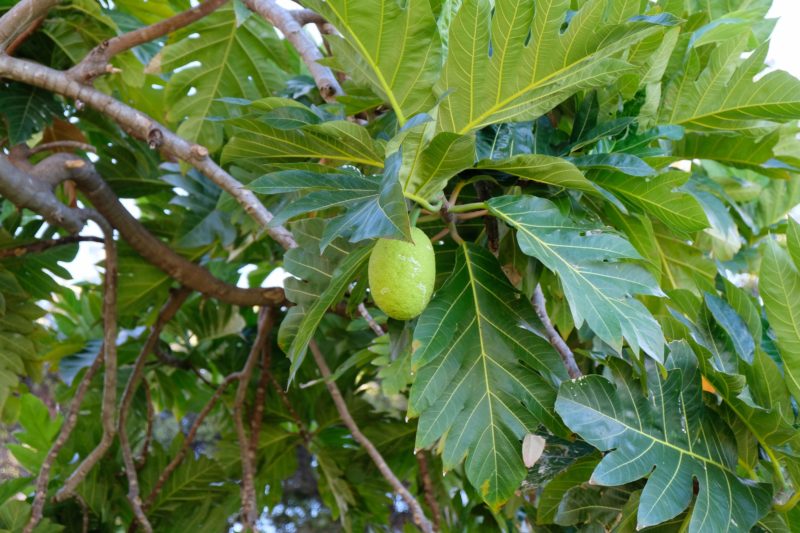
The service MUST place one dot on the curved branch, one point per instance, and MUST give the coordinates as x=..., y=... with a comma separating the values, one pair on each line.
x=34, y=190
x=143, y=127
x=109, y=407
x=96, y=62
x=26, y=192
x=341, y=406
x=291, y=27
x=70, y=422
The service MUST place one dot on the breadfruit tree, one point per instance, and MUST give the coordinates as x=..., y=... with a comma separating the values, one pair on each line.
x=603, y=333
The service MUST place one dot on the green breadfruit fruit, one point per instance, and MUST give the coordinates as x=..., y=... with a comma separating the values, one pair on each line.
x=401, y=275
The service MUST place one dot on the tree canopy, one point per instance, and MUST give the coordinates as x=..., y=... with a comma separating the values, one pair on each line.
x=613, y=339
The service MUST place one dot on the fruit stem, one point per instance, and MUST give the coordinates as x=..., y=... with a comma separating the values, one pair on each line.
x=433, y=208
x=414, y=217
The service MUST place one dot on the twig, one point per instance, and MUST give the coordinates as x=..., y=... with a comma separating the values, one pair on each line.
x=96, y=62
x=247, y=452
x=261, y=392
x=283, y=19
x=22, y=37
x=166, y=314
x=439, y=236
x=63, y=435
x=187, y=441
x=301, y=427
x=148, y=432
x=362, y=310
x=41, y=246
x=53, y=145
x=553, y=336
x=141, y=126
x=109, y=406
x=307, y=16
x=427, y=487
x=341, y=406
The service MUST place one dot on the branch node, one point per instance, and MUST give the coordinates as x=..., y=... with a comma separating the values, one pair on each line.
x=198, y=152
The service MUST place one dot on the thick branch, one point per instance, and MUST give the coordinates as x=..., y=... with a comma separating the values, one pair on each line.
x=553, y=336
x=96, y=62
x=143, y=127
x=247, y=451
x=34, y=191
x=20, y=18
x=63, y=435
x=26, y=192
x=341, y=406
x=283, y=19
x=166, y=314
x=109, y=407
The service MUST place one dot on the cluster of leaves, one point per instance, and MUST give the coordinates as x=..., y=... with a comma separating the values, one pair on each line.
x=630, y=157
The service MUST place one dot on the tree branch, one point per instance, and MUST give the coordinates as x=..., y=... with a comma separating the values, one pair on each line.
x=43, y=245
x=141, y=126
x=50, y=146
x=261, y=393
x=148, y=433
x=109, y=358
x=20, y=18
x=362, y=310
x=26, y=192
x=63, y=435
x=553, y=336
x=166, y=314
x=187, y=441
x=291, y=28
x=427, y=487
x=341, y=406
x=96, y=62
x=247, y=452
x=34, y=190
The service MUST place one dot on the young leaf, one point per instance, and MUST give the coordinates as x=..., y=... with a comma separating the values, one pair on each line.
x=595, y=270
x=479, y=385
x=671, y=430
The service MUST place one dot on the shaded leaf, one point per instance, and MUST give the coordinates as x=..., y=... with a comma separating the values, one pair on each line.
x=595, y=271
